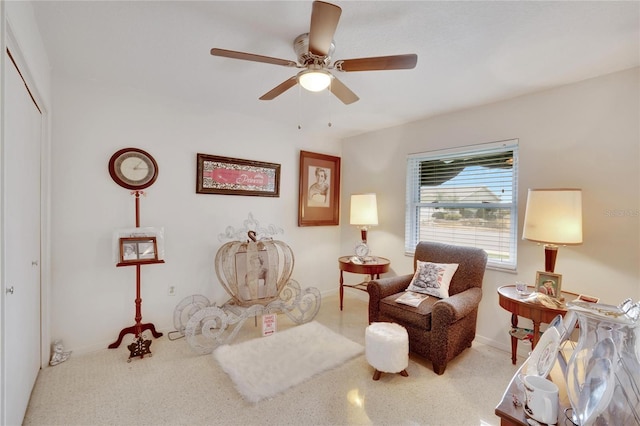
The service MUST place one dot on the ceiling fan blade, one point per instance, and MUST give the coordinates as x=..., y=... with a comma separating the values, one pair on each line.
x=279, y=89
x=251, y=57
x=379, y=63
x=324, y=21
x=342, y=92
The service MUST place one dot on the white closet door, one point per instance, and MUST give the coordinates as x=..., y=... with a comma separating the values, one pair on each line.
x=21, y=216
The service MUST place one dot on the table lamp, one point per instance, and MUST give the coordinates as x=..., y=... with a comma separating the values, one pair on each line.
x=553, y=217
x=364, y=213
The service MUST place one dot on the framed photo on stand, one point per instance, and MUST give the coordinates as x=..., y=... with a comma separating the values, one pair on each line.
x=138, y=249
x=138, y=245
x=549, y=283
x=319, y=201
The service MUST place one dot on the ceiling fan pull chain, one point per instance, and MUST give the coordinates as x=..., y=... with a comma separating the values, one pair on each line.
x=330, y=109
x=299, y=108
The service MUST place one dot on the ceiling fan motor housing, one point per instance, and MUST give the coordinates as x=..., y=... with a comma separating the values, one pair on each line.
x=301, y=47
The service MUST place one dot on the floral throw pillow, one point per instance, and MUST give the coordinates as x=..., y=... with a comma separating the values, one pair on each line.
x=433, y=278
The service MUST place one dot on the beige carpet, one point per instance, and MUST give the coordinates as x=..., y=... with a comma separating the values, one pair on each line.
x=178, y=387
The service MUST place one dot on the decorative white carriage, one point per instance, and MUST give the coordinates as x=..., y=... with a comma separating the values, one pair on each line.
x=256, y=273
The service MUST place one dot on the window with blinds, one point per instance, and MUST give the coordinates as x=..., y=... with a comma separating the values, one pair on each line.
x=465, y=197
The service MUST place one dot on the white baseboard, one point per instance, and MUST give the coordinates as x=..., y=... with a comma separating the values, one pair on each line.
x=353, y=293
x=522, y=351
x=492, y=343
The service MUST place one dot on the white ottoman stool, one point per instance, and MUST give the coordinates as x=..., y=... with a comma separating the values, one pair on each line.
x=387, y=348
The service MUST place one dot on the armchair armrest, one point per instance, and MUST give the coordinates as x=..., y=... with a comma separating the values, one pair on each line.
x=383, y=287
x=449, y=310
x=387, y=286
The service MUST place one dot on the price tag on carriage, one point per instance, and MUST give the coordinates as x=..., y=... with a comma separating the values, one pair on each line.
x=269, y=324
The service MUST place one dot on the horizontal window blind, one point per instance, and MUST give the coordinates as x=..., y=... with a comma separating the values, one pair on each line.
x=465, y=197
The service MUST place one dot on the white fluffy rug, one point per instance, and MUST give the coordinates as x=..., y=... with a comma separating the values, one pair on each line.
x=263, y=367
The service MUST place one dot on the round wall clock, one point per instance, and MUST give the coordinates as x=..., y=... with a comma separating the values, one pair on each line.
x=133, y=168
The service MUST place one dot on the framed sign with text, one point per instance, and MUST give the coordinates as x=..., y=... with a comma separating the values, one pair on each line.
x=234, y=176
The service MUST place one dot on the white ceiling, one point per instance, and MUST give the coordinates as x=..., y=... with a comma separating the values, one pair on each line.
x=469, y=53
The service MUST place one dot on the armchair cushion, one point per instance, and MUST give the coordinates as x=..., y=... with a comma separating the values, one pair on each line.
x=433, y=278
x=419, y=316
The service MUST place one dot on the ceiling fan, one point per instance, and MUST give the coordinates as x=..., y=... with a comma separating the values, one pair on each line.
x=314, y=50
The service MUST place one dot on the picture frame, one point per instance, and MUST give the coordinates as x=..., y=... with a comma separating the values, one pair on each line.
x=587, y=298
x=138, y=233
x=138, y=249
x=235, y=176
x=319, y=199
x=549, y=283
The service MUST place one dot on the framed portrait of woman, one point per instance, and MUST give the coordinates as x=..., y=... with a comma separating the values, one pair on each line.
x=549, y=283
x=319, y=201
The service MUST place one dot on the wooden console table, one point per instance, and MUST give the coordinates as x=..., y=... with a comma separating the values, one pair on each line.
x=518, y=305
x=379, y=266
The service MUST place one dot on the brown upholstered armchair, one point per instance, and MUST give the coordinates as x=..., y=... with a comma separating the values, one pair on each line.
x=439, y=329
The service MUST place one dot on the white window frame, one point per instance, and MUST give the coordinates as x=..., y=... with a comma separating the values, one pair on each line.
x=414, y=204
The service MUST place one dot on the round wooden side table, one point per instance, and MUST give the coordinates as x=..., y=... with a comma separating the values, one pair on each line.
x=538, y=313
x=378, y=265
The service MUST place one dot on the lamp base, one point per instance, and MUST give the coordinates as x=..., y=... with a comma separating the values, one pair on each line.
x=550, y=254
x=363, y=234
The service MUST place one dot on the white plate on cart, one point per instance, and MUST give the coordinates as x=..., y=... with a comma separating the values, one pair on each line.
x=545, y=353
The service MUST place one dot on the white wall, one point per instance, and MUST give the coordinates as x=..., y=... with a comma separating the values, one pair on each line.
x=584, y=135
x=92, y=299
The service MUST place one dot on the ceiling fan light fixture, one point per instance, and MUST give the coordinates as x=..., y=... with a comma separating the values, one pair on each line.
x=314, y=80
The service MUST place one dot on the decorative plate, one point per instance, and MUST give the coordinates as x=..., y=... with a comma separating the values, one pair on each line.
x=545, y=353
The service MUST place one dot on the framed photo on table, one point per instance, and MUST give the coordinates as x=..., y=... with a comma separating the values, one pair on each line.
x=588, y=299
x=234, y=176
x=319, y=201
x=549, y=283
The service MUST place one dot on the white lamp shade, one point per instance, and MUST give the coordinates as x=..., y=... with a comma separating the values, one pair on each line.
x=553, y=216
x=364, y=210
x=314, y=80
